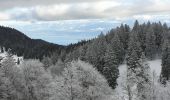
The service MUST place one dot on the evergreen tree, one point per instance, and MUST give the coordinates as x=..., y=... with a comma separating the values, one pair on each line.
x=138, y=75
x=142, y=34
x=133, y=56
x=113, y=57
x=126, y=36
x=111, y=71
x=134, y=50
x=143, y=79
x=158, y=31
x=123, y=33
x=150, y=45
x=96, y=52
x=165, y=72
x=118, y=49
x=136, y=26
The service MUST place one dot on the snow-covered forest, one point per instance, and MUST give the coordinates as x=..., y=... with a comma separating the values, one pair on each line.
x=123, y=64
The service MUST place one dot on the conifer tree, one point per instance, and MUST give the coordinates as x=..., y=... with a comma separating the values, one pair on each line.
x=136, y=26
x=150, y=45
x=165, y=72
x=96, y=51
x=111, y=71
x=126, y=36
x=143, y=79
x=134, y=49
x=158, y=31
x=133, y=55
x=118, y=49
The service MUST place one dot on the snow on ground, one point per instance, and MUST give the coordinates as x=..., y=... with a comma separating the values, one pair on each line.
x=15, y=57
x=155, y=66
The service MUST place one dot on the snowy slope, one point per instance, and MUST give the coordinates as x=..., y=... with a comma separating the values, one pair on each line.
x=15, y=57
x=155, y=66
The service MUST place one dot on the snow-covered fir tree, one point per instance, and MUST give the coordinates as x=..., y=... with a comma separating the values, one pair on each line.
x=110, y=70
x=118, y=48
x=150, y=45
x=137, y=70
x=96, y=52
x=165, y=72
x=143, y=79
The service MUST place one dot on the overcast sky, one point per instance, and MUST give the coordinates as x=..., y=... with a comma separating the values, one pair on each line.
x=68, y=21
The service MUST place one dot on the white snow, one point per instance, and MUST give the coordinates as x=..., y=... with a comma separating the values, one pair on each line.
x=15, y=57
x=155, y=66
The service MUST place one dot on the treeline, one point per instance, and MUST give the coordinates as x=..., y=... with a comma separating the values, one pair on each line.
x=22, y=45
x=75, y=80
x=107, y=52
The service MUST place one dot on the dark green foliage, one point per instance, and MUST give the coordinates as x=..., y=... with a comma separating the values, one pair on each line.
x=22, y=45
x=150, y=47
x=111, y=71
x=134, y=50
x=118, y=49
x=158, y=30
x=123, y=34
x=132, y=60
x=136, y=26
x=165, y=73
x=96, y=52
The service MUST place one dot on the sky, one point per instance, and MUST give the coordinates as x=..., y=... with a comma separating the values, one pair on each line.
x=69, y=21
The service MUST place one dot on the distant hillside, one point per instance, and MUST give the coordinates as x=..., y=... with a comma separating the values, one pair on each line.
x=22, y=45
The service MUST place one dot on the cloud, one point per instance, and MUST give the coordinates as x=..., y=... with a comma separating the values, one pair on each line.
x=6, y=4
x=53, y=10
x=4, y=16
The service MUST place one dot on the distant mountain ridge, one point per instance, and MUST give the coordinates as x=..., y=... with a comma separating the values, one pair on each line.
x=22, y=45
